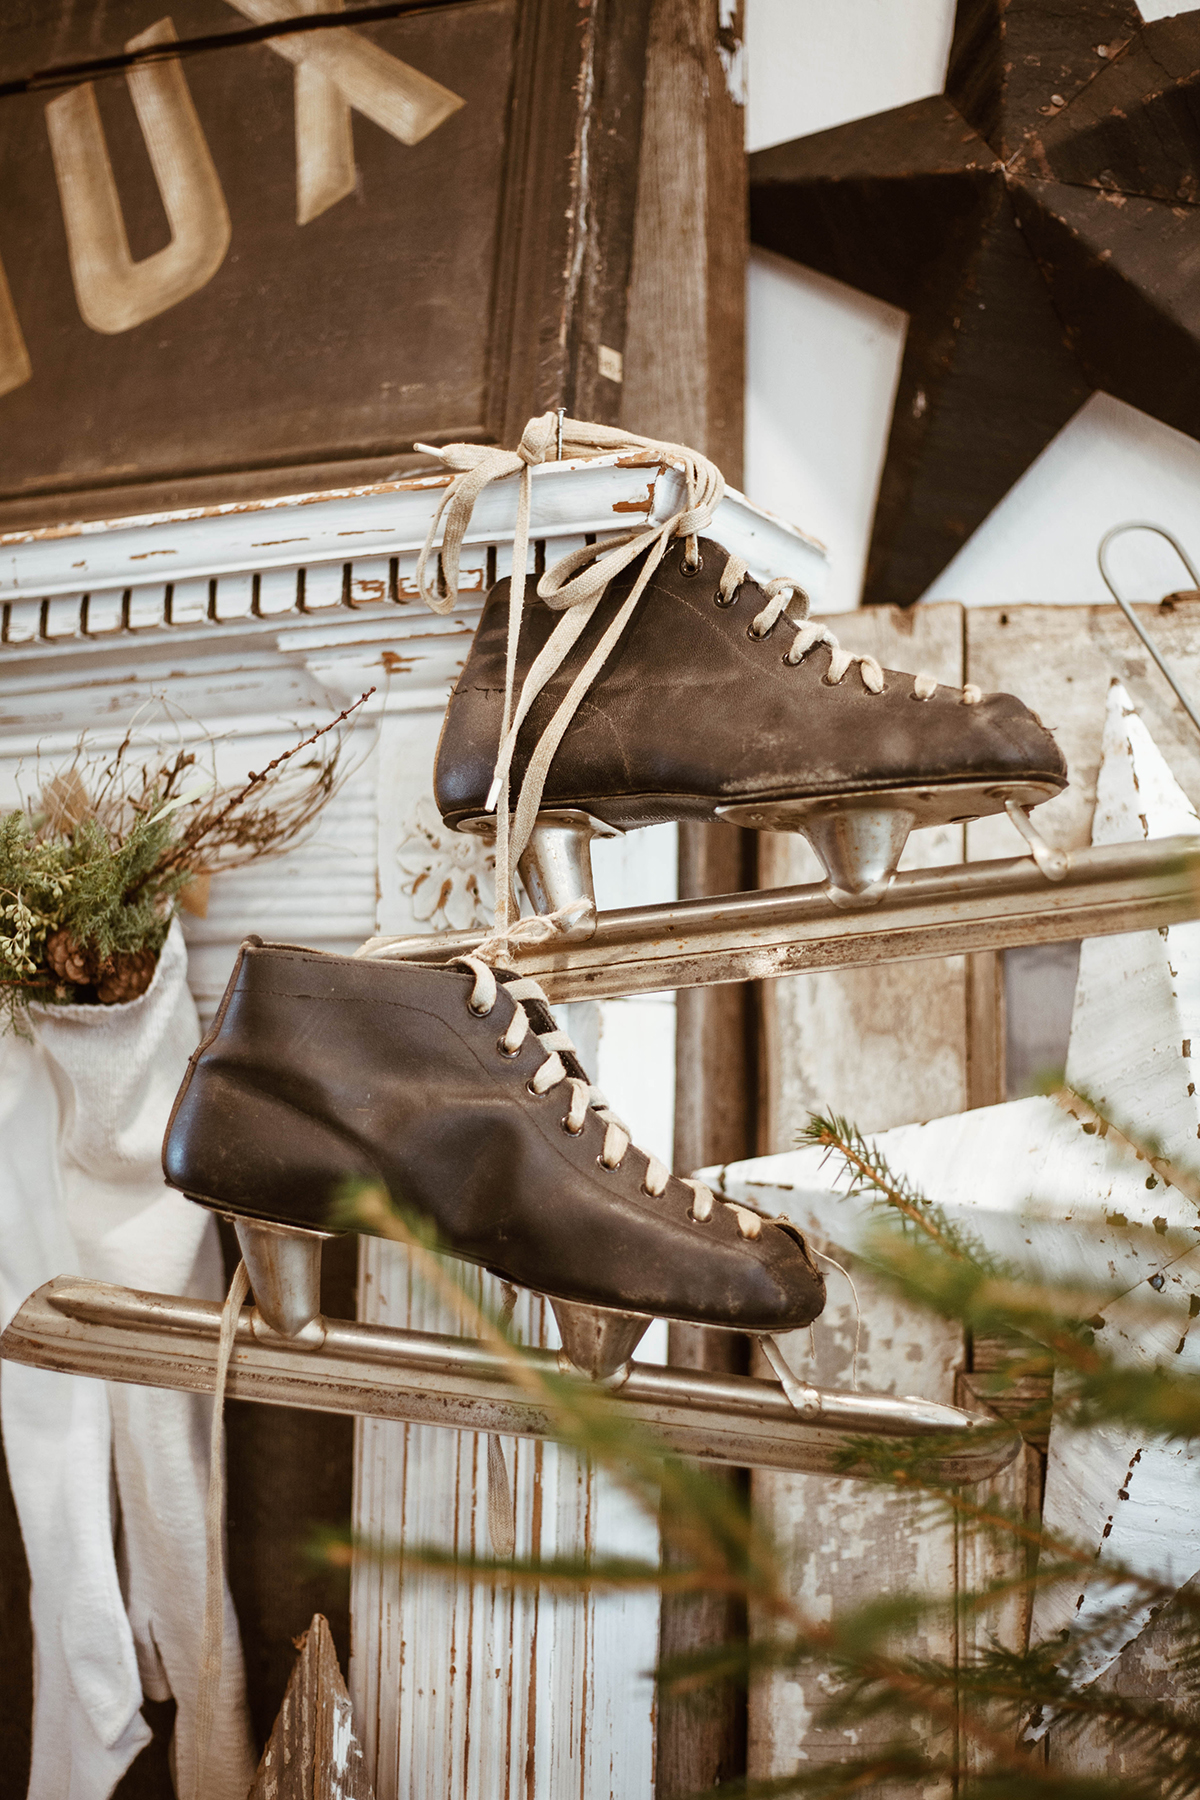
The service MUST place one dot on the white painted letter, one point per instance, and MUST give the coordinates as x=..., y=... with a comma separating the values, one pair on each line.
x=114, y=292
x=335, y=71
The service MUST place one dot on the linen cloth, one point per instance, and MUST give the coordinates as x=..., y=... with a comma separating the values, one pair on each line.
x=110, y=1480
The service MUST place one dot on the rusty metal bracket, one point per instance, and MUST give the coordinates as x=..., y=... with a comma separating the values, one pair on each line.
x=116, y=1334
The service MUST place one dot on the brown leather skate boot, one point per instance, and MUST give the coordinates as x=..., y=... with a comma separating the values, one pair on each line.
x=659, y=682
x=714, y=703
x=453, y=1087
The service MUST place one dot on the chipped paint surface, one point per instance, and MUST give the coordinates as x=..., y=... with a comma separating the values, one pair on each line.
x=848, y=1543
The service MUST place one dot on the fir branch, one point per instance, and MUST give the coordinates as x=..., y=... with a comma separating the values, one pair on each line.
x=870, y=1174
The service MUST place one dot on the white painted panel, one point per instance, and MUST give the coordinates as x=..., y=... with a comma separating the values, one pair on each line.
x=277, y=591
x=812, y=66
x=23, y=622
x=1108, y=464
x=822, y=362
x=369, y=580
x=324, y=584
x=189, y=602
x=106, y=611
x=235, y=597
x=147, y=608
x=62, y=617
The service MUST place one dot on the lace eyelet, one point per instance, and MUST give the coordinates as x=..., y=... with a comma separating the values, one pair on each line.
x=758, y=637
x=530, y=1089
x=690, y=569
x=695, y=1220
x=566, y=1125
x=609, y=1168
x=479, y=1012
x=718, y=600
x=504, y=1050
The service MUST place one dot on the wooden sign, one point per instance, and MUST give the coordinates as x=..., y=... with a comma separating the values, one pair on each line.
x=276, y=264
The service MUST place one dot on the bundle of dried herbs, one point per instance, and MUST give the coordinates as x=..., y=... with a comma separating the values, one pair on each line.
x=93, y=870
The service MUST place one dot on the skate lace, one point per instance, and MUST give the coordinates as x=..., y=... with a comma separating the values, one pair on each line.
x=584, y=1097
x=574, y=586
x=786, y=599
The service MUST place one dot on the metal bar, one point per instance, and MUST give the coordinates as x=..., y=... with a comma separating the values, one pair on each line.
x=785, y=931
x=88, y=1328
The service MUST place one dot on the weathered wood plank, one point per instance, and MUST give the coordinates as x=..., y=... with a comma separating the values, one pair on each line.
x=1061, y=660
x=313, y=1752
x=685, y=380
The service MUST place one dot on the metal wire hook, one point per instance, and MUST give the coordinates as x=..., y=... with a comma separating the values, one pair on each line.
x=1101, y=557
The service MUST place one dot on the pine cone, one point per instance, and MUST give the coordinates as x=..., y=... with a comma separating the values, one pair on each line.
x=128, y=974
x=69, y=961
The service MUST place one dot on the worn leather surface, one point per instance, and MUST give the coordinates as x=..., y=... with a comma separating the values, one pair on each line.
x=690, y=713
x=318, y=1068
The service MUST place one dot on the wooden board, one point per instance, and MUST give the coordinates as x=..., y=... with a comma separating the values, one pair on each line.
x=1061, y=660
x=916, y=1049
x=465, y=1688
x=313, y=1752
x=685, y=381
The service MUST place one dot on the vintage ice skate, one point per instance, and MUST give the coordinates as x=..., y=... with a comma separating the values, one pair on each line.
x=455, y=1089
x=658, y=681
x=452, y=1087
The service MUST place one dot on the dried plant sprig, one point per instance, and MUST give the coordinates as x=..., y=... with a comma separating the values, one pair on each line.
x=92, y=870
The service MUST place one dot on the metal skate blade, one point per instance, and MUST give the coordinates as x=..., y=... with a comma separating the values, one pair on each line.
x=860, y=838
x=556, y=865
x=598, y=1340
x=284, y=1266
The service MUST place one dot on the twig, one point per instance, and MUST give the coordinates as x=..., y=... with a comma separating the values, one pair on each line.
x=254, y=778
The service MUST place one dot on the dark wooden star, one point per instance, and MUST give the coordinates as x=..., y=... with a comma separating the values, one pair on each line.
x=1039, y=222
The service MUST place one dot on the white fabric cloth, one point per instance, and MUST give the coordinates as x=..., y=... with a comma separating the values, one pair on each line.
x=110, y=1480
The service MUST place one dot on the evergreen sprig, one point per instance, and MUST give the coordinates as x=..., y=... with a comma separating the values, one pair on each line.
x=957, y=1723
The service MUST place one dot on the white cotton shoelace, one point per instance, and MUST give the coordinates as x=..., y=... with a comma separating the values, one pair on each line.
x=584, y=1098
x=574, y=586
x=212, y=1636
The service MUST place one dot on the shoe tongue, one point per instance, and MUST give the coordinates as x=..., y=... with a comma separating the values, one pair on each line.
x=544, y=1022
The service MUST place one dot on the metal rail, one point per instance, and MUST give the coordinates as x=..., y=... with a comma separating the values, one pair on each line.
x=784, y=931
x=88, y=1328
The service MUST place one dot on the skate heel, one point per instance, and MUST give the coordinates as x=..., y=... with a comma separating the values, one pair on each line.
x=284, y=1266
x=597, y=1340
